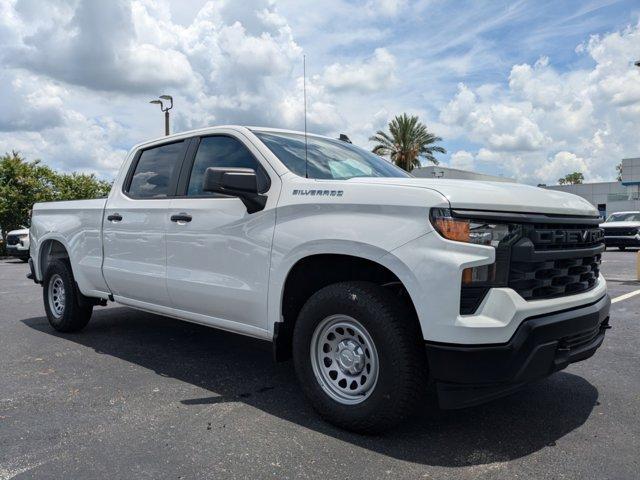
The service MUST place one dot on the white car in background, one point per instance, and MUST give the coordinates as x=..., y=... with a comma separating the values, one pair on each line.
x=18, y=244
x=622, y=229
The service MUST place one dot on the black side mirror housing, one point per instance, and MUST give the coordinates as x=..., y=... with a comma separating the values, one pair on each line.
x=235, y=182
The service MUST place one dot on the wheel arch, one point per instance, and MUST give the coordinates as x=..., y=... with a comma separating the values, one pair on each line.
x=309, y=273
x=48, y=249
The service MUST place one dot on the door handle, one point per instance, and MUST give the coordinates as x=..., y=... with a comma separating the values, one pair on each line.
x=115, y=217
x=181, y=218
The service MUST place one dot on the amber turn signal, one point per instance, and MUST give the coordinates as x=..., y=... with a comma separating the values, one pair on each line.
x=453, y=229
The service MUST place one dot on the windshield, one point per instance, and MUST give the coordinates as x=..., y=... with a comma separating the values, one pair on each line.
x=624, y=217
x=328, y=159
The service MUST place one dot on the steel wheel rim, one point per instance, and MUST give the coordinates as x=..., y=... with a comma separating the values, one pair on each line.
x=56, y=295
x=344, y=359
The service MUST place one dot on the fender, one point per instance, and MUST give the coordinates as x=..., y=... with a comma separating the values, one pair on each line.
x=39, y=252
x=281, y=268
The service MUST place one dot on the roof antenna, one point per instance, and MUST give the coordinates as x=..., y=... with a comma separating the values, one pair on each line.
x=304, y=92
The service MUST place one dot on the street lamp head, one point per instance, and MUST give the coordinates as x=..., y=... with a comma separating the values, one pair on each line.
x=169, y=98
x=157, y=102
x=637, y=64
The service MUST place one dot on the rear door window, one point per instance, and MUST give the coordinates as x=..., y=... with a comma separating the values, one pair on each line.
x=155, y=171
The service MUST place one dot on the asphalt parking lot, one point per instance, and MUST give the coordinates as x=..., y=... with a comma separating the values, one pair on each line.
x=139, y=396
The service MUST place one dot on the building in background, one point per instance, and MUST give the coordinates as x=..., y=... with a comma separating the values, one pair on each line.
x=436, y=171
x=611, y=197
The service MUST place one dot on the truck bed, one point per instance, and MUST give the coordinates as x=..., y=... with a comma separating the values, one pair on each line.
x=77, y=225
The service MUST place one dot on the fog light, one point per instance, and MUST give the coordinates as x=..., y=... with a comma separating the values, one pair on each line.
x=481, y=274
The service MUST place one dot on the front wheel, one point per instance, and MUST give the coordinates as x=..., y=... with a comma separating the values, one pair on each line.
x=359, y=356
x=66, y=310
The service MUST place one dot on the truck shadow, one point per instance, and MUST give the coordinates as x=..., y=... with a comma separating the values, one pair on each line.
x=239, y=369
x=12, y=260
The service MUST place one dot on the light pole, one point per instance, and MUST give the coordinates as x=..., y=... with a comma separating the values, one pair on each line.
x=169, y=98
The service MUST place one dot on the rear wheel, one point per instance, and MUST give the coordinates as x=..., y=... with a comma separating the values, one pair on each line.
x=359, y=356
x=67, y=310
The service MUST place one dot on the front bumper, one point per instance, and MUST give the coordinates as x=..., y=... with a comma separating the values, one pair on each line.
x=431, y=267
x=17, y=251
x=467, y=375
x=622, y=241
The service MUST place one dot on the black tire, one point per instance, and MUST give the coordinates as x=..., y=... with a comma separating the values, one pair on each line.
x=402, y=366
x=76, y=310
x=622, y=249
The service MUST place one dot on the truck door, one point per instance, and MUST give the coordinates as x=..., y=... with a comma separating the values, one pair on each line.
x=218, y=254
x=135, y=222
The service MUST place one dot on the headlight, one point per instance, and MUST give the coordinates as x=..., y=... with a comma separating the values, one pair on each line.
x=476, y=281
x=468, y=230
x=24, y=237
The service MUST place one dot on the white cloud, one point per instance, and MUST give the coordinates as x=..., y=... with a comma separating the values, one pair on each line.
x=459, y=108
x=373, y=74
x=232, y=64
x=389, y=8
x=509, y=128
x=462, y=159
x=548, y=123
x=29, y=104
x=86, y=145
x=132, y=47
x=506, y=126
x=94, y=46
x=538, y=84
x=561, y=164
x=77, y=80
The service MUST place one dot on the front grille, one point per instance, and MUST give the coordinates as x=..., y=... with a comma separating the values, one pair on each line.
x=13, y=239
x=554, y=278
x=564, y=237
x=620, y=231
x=542, y=256
x=555, y=260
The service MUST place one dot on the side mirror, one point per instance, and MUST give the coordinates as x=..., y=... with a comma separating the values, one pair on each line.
x=235, y=182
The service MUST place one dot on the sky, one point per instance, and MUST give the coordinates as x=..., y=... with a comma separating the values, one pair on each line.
x=530, y=90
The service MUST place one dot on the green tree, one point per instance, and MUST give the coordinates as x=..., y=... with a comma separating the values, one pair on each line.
x=619, y=172
x=571, y=179
x=407, y=141
x=76, y=186
x=23, y=183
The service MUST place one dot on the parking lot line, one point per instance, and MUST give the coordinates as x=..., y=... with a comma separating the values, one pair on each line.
x=625, y=296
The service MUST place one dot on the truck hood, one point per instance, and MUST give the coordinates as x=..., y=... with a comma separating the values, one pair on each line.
x=497, y=196
x=22, y=231
x=619, y=224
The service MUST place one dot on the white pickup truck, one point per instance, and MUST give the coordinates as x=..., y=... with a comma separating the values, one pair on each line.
x=375, y=282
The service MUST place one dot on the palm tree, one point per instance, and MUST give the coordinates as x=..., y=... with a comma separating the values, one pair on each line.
x=408, y=140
